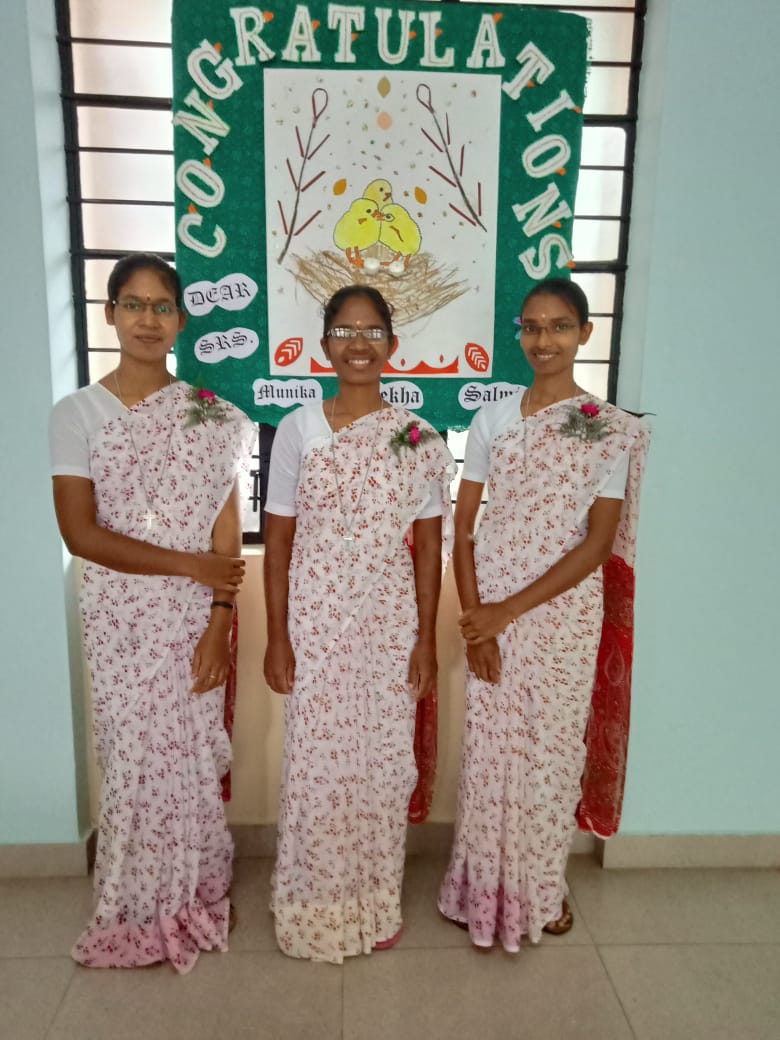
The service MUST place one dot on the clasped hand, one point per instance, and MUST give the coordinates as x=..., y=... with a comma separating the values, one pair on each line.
x=478, y=624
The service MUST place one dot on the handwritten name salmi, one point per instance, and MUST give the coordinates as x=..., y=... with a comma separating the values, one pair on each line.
x=216, y=76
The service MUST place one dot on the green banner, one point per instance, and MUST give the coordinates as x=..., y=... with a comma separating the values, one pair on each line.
x=430, y=150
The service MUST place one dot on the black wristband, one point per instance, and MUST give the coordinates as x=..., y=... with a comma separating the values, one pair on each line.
x=221, y=603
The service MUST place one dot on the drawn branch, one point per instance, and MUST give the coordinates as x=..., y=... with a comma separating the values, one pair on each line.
x=425, y=98
x=319, y=102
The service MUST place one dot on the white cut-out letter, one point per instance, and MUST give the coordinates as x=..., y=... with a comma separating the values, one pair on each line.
x=300, y=42
x=207, y=54
x=538, y=119
x=554, y=143
x=383, y=15
x=249, y=23
x=486, y=40
x=430, y=59
x=200, y=183
x=195, y=220
x=546, y=246
x=532, y=63
x=346, y=19
x=539, y=208
x=202, y=128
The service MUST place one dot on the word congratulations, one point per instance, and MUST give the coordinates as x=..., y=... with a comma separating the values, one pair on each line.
x=215, y=75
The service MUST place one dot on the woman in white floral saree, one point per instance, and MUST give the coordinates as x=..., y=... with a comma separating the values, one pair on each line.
x=351, y=637
x=555, y=543
x=145, y=472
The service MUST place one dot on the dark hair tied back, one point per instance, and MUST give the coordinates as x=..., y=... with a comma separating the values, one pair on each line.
x=129, y=265
x=565, y=290
x=347, y=292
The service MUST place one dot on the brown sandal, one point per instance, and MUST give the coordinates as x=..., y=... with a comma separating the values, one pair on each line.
x=564, y=922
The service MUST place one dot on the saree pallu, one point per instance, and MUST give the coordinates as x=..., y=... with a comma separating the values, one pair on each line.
x=164, y=854
x=349, y=768
x=524, y=751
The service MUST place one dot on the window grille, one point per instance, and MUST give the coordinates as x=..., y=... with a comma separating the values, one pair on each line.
x=116, y=97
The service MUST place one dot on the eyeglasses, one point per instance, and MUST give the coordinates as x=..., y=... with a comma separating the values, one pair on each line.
x=345, y=332
x=131, y=306
x=560, y=328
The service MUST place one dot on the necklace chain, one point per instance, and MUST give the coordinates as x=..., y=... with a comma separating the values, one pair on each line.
x=150, y=517
x=349, y=534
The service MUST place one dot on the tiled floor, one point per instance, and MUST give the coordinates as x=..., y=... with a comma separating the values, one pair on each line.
x=654, y=955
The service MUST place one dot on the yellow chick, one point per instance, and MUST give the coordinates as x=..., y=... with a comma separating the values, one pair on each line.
x=380, y=191
x=358, y=229
x=399, y=232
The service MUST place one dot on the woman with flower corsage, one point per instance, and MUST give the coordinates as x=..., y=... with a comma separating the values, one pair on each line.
x=145, y=471
x=351, y=637
x=546, y=589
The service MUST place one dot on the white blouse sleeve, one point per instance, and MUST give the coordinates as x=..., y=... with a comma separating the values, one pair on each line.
x=285, y=466
x=476, y=460
x=68, y=440
x=615, y=486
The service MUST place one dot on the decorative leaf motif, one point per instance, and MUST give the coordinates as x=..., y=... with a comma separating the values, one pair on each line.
x=383, y=86
x=340, y=186
x=421, y=195
x=477, y=357
x=289, y=350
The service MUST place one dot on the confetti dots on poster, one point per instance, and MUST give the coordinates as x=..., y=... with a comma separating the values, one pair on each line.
x=340, y=186
x=384, y=120
x=421, y=195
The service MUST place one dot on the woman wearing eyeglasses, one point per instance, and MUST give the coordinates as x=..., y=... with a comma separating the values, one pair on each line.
x=554, y=546
x=351, y=637
x=145, y=472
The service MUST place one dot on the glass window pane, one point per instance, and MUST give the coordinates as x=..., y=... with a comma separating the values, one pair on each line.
x=96, y=274
x=606, y=93
x=610, y=35
x=100, y=335
x=595, y=240
x=600, y=290
x=139, y=20
x=592, y=378
x=100, y=364
x=129, y=228
x=599, y=193
x=130, y=71
x=597, y=347
x=111, y=176
x=125, y=128
x=603, y=146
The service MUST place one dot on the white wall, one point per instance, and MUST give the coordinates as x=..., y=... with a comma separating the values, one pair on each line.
x=700, y=350
x=702, y=344
x=41, y=777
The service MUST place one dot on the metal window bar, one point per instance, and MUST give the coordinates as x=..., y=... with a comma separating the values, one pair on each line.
x=72, y=101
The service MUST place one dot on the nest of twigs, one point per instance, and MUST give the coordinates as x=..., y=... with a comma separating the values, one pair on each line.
x=422, y=289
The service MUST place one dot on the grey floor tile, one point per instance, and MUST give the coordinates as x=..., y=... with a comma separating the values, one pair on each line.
x=230, y=996
x=43, y=917
x=250, y=894
x=698, y=992
x=30, y=993
x=671, y=906
x=553, y=994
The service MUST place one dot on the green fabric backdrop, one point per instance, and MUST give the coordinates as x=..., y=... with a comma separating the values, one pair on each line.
x=287, y=116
